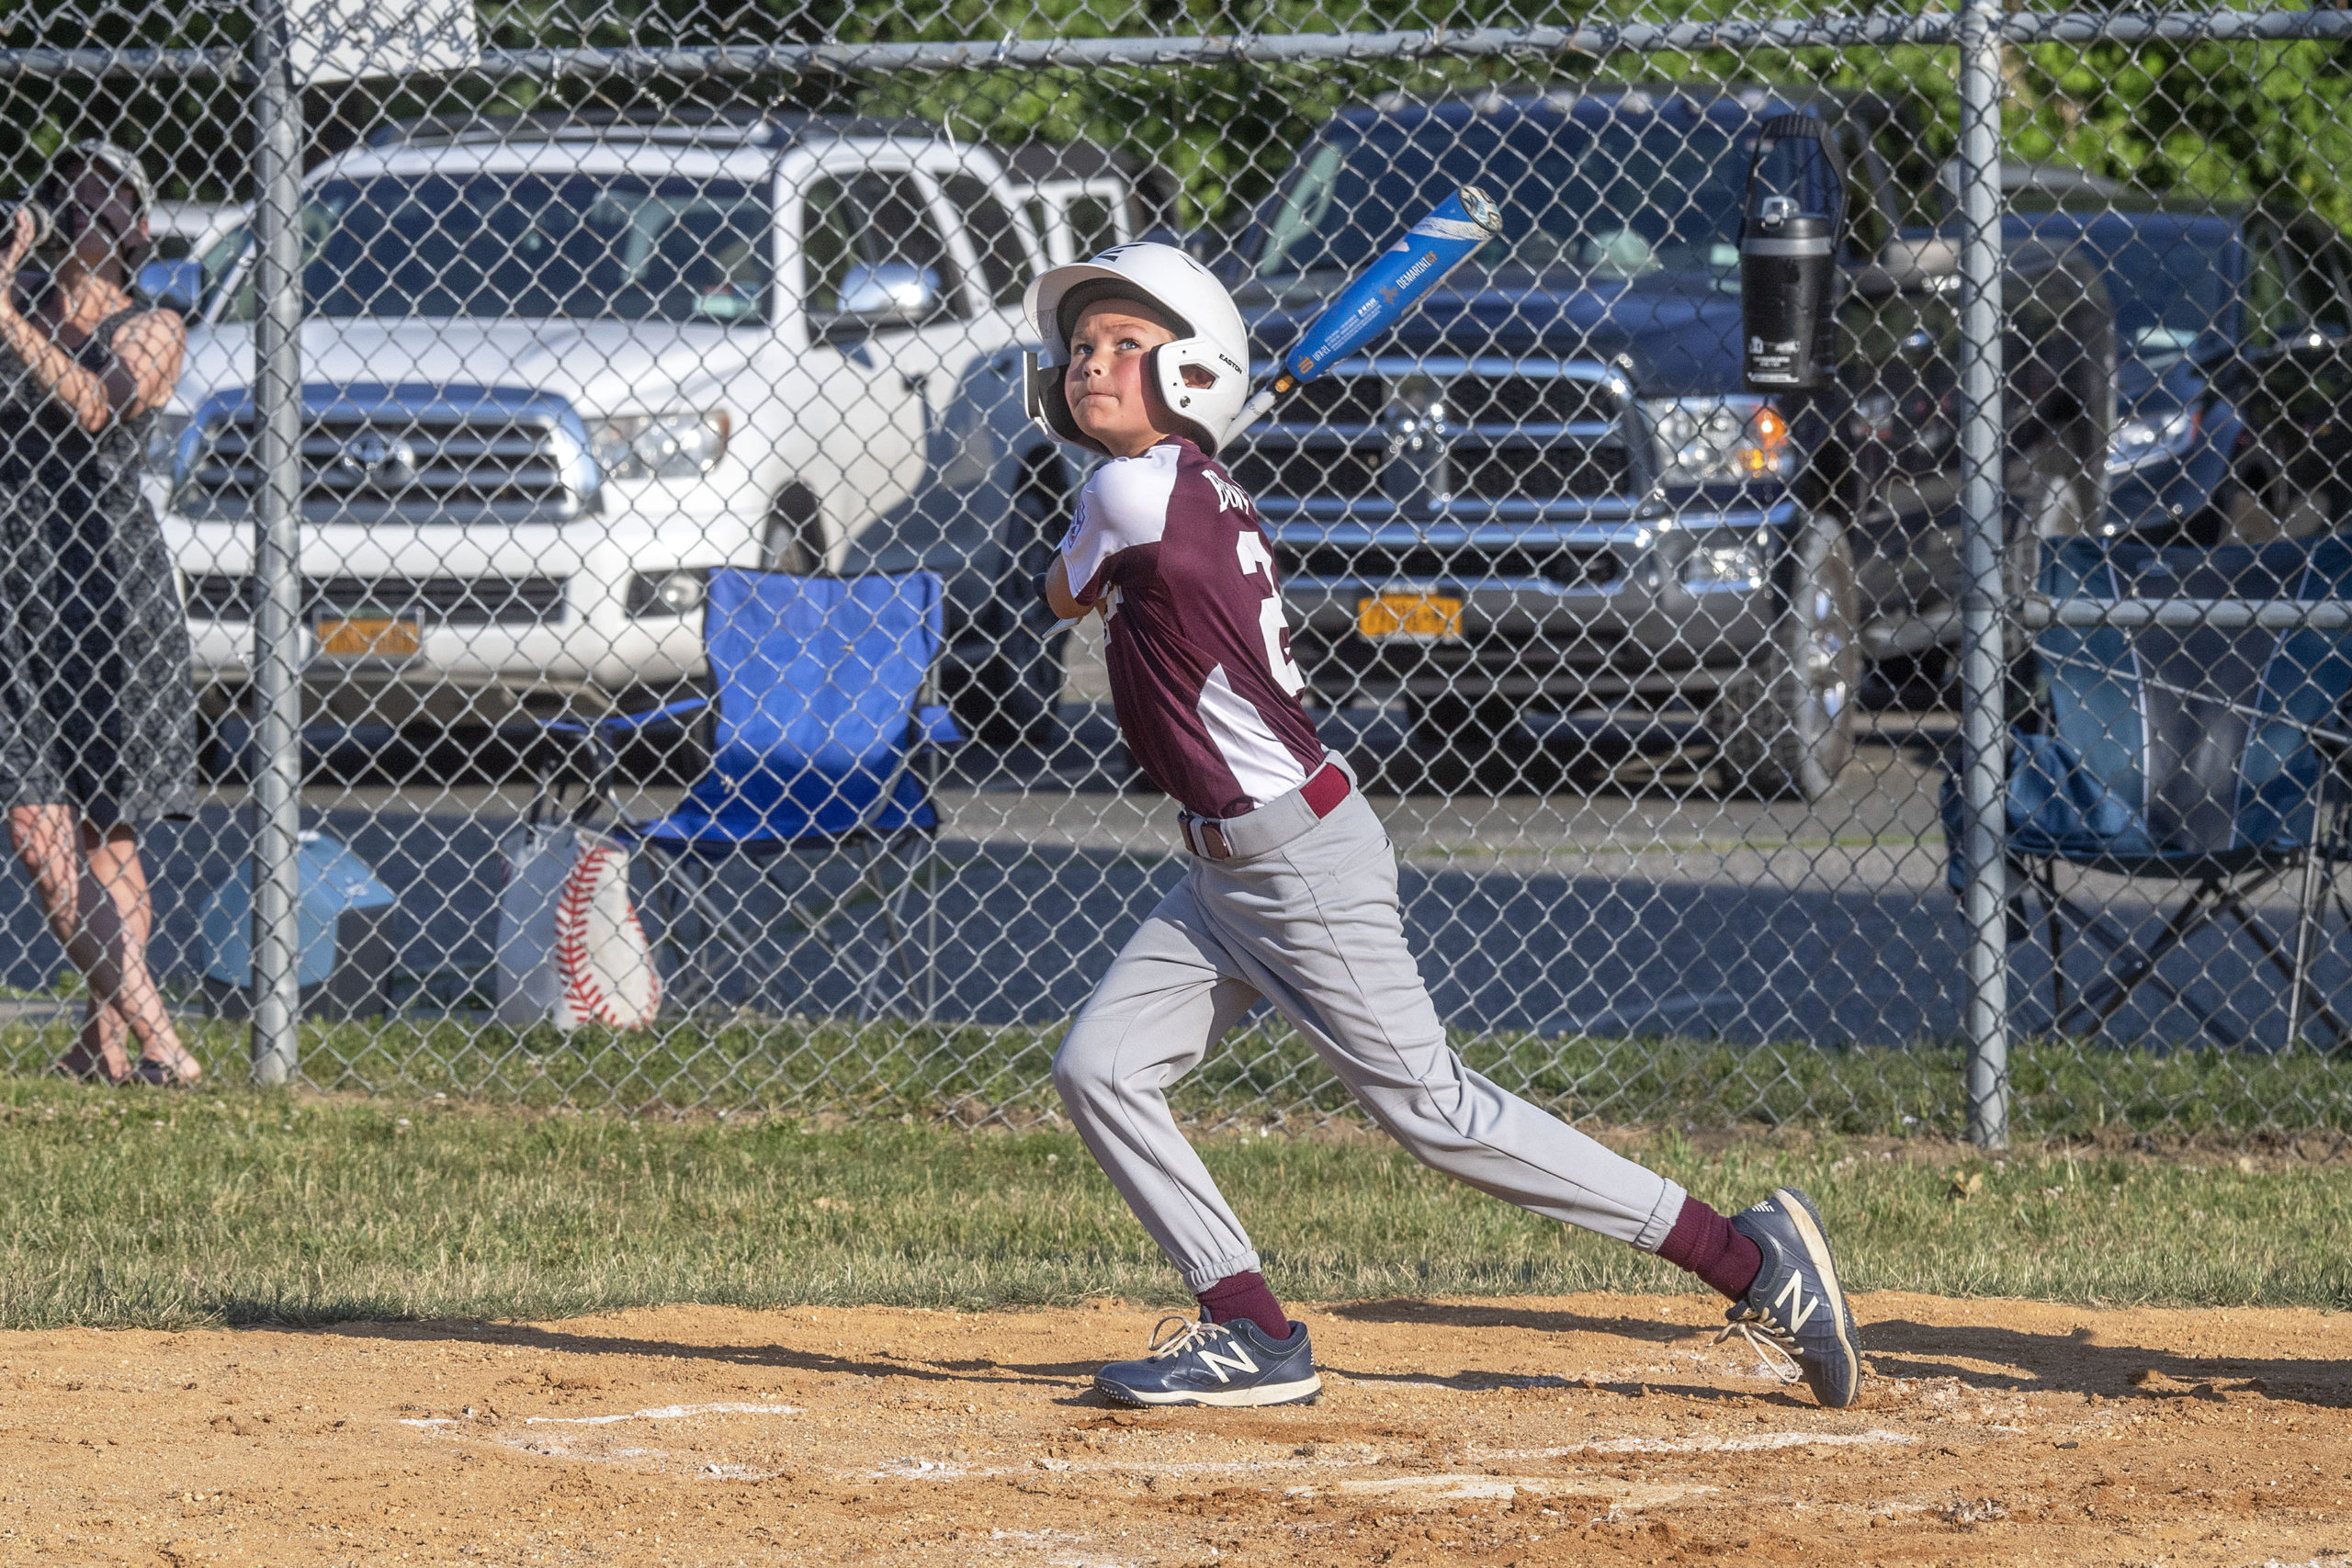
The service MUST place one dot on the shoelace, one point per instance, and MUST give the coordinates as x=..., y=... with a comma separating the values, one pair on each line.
x=1773, y=1345
x=1190, y=1332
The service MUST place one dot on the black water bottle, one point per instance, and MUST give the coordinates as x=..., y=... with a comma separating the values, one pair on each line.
x=1788, y=256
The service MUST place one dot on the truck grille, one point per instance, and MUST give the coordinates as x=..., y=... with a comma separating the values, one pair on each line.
x=1504, y=472
x=1539, y=473
x=1484, y=402
x=1270, y=472
x=441, y=601
x=1514, y=432
x=1570, y=566
x=444, y=456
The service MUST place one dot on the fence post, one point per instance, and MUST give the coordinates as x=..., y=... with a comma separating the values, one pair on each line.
x=277, y=568
x=1984, y=719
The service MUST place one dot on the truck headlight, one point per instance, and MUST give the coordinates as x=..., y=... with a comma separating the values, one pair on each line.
x=679, y=592
x=1723, y=569
x=678, y=444
x=2144, y=438
x=1718, y=440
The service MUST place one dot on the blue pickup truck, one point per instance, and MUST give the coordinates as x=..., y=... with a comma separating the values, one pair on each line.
x=1548, y=493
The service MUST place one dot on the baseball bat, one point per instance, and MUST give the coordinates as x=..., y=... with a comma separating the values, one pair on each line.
x=1383, y=294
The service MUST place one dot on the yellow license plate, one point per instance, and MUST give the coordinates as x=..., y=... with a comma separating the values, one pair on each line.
x=368, y=636
x=1414, y=617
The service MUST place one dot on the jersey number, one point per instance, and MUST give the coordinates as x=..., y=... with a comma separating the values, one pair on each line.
x=1256, y=557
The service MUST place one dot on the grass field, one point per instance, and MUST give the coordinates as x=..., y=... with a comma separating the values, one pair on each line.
x=2060, y=1089
x=158, y=1209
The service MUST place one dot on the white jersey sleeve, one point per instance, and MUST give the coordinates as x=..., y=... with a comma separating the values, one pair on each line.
x=1123, y=504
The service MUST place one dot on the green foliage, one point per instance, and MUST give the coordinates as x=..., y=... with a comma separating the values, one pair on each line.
x=2269, y=122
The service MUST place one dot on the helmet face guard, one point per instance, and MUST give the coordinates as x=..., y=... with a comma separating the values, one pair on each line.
x=1043, y=400
x=1164, y=373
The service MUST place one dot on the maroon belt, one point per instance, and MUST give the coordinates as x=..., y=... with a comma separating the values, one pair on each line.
x=1205, y=835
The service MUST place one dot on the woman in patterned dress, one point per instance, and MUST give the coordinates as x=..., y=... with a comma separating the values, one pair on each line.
x=97, y=731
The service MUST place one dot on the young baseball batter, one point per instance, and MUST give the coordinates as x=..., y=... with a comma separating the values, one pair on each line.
x=1291, y=893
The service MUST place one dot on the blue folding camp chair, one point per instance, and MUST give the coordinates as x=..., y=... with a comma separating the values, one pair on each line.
x=2190, y=733
x=823, y=735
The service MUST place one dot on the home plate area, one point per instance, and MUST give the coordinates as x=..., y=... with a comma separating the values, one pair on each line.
x=1600, y=1429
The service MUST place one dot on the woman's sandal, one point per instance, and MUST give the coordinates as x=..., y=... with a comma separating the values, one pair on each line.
x=162, y=1075
x=95, y=1072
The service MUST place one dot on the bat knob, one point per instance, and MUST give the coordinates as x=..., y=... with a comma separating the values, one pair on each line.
x=1251, y=413
x=1482, y=211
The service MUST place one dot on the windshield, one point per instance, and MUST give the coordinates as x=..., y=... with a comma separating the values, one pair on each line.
x=2170, y=282
x=1616, y=198
x=598, y=246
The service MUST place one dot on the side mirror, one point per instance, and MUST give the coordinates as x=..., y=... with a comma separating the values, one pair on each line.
x=882, y=294
x=174, y=284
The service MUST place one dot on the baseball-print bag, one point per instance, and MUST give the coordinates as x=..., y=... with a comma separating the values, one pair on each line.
x=569, y=948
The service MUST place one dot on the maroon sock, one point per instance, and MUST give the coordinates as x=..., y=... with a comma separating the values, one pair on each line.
x=1703, y=1242
x=1238, y=1296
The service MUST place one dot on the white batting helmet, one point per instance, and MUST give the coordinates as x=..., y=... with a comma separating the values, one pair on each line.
x=1209, y=336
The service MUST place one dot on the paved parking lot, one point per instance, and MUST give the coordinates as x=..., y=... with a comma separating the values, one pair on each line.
x=1632, y=906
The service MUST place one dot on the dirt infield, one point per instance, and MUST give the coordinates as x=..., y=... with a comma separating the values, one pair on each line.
x=1523, y=1431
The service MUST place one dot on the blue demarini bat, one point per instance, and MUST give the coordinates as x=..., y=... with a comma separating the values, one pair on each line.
x=1385, y=294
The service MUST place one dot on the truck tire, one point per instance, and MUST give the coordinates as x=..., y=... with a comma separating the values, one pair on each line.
x=2259, y=503
x=1451, y=735
x=794, y=539
x=1783, y=724
x=2056, y=495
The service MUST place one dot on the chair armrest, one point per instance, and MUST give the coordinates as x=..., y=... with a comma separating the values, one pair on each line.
x=937, y=726
x=2036, y=611
x=623, y=723
x=599, y=739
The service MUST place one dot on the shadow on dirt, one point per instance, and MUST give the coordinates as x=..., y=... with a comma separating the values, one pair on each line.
x=2095, y=1364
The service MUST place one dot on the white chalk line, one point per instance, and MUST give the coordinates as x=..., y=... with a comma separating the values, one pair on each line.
x=549, y=1447
x=916, y=1469
x=1452, y=1484
x=1450, y=1488
x=662, y=1413
x=1749, y=1443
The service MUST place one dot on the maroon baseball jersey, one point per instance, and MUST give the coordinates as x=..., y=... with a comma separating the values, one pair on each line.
x=1201, y=672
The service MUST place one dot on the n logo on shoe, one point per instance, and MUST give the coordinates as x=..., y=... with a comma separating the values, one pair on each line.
x=1240, y=1361
x=1792, y=1304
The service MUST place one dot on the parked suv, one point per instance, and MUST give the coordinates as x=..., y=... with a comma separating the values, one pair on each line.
x=1548, y=491
x=558, y=369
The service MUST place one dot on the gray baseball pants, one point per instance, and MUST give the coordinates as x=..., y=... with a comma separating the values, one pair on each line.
x=1311, y=924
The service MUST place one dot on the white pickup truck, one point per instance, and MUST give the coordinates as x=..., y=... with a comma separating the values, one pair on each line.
x=557, y=368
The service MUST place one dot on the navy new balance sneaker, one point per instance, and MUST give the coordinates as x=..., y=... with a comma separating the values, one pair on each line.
x=1215, y=1363
x=1796, y=1300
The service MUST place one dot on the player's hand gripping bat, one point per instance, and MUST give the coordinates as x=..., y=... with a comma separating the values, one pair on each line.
x=1385, y=294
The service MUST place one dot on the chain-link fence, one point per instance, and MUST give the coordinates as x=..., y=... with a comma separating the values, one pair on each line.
x=549, y=367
